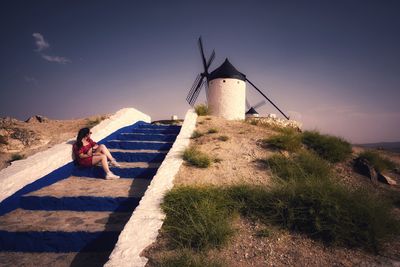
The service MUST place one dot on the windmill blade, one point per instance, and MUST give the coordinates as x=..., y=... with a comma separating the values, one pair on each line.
x=255, y=87
x=191, y=91
x=210, y=60
x=196, y=93
x=259, y=104
x=192, y=98
x=247, y=104
x=202, y=54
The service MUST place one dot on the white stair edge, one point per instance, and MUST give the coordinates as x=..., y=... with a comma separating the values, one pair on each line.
x=142, y=228
x=26, y=171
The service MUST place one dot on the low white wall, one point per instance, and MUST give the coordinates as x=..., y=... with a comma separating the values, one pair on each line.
x=26, y=171
x=142, y=228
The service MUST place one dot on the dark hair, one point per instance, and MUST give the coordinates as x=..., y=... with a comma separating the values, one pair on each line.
x=81, y=134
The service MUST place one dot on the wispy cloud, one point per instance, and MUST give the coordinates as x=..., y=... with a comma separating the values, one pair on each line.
x=30, y=79
x=61, y=60
x=42, y=44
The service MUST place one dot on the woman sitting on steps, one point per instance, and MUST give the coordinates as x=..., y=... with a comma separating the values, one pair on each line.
x=88, y=153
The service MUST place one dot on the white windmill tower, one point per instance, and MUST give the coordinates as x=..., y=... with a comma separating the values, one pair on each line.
x=225, y=89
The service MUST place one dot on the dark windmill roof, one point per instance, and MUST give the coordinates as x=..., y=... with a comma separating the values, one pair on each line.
x=251, y=111
x=226, y=70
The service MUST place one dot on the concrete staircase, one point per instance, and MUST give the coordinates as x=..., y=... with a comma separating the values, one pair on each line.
x=76, y=220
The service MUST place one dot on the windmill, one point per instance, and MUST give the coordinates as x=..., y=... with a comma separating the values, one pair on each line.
x=225, y=89
x=251, y=110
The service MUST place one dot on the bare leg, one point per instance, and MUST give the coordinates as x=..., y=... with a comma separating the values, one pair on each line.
x=102, y=149
x=103, y=159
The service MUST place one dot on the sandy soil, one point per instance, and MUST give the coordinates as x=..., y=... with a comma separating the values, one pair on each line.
x=28, y=138
x=239, y=163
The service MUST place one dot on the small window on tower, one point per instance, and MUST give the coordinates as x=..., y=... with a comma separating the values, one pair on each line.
x=223, y=80
x=238, y=82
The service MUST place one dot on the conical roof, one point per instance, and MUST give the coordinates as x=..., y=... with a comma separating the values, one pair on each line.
x=251, y=111
x=226, y=70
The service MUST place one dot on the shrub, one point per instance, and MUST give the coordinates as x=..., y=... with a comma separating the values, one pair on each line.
x=223, y=138
x=302, y=166
x=3, y=140
x=196, y=134
x=196, y=158
x=197, y=218
x=201, y=109
x=15, y=157
x=287, y=140
x=212, y=130
x=187, y=258
x=377, y=161
x=331, y=148
x=26, y=137
x=93, y=122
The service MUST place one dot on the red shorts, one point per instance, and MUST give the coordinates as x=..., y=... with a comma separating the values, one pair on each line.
x=86, y=162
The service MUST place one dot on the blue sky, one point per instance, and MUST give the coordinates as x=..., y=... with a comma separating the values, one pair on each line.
x=333, y=65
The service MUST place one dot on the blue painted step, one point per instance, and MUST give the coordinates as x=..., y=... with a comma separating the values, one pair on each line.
x=130, y=173
x=147, y=137
x=138, y=145
x=81, y=203
x=138, y=157
x=154, y=126
x=154, y=131
x=57, y=241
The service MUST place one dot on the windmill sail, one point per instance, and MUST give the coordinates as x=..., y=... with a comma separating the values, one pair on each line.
x=255, y=87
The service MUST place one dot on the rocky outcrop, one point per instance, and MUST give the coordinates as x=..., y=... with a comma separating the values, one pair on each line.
x=386, y=179
x=37, y=119
x=273, y=121
x=363, y=167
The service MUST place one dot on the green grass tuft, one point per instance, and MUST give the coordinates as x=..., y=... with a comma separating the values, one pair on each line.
x=197, y=218
x=188, y=258
x=17, y=156
x=301, y=166
x=377, y=161
x=331, y=148
x=201, y=110
x=287, y=140
x=212, y=130
x=196, y=134
x=196, y=158
x=322, y=210
x=223, y=138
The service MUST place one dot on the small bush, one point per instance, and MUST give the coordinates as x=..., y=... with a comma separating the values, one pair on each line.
x=93, y=122
x=201, y=110
x=223, y=138
x=197, y=218
x=212, y=130
x=3, y=140
x=265, y=232
x=331, y=148
x=187, y=258
x=196, y=134
x=302, y=166
x=196, y=158
x=287, y=140
x=217, y=160
x=15, y=157
x=377, y=161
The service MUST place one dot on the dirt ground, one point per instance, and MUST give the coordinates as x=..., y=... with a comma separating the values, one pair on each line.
x=27, y=138
x=238, y=162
